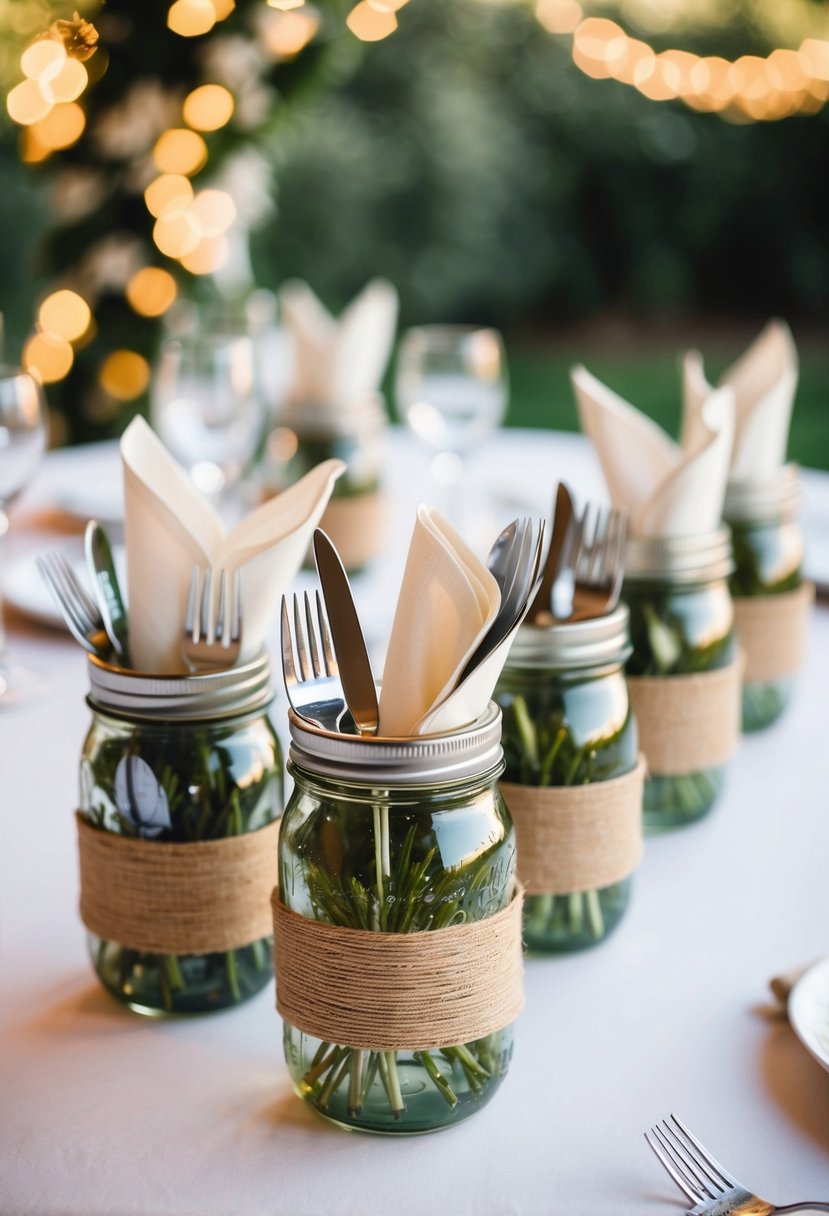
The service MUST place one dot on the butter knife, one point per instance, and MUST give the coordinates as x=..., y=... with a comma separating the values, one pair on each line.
x=349, y=644
x=101, y=567
x=541, y=609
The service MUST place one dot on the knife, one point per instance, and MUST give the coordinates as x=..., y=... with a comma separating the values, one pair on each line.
x=562, y=517
x=349, y=644
x=101, y=566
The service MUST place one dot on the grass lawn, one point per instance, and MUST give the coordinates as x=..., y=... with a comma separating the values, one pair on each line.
x=649, y=379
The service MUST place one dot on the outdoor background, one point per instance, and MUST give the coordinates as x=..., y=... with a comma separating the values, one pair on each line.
x=470, y=160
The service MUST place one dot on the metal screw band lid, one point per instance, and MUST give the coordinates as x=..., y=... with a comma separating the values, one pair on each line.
x=700, y=558
x=577, y=645
x=420, y=760
x=765, y=499
x=181, y=698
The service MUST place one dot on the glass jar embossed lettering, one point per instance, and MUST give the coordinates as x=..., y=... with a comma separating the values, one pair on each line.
x=397, y=837
x=682, y=625
x=567, y=723
x=186, y=773
x=768, y=554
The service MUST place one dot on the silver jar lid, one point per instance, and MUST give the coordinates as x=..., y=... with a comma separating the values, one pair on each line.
x=764, y=499
x=700, y=558
x=181, y=698
x=578, y=645
x=421, y=760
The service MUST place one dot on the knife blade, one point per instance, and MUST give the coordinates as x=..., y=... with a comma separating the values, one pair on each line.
x=101, y=567
x=562, y=517
x=349, y=644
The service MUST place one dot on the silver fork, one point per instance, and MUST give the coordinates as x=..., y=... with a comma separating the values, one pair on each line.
x=707, y=1184
x=77, y=607
x=596, y=558
x=211, y=645
x=312, y=682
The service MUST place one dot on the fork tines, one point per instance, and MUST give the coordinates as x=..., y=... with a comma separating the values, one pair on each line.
x=303, y=638
x=697, y=1174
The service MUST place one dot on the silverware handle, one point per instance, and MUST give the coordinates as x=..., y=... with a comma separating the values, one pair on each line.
x=814, y=1205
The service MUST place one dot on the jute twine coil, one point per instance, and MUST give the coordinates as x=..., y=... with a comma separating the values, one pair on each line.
x=577, y=837
x=200, y=897
x=772, y=632
x=398, y=991
x=688, y=723
x=357, y=526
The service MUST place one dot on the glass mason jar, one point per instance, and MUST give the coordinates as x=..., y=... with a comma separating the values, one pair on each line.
x=568, y=722
x=309, y=433
x=181, y=759
x=768, y=555
x=400, y=836
x=681, y=622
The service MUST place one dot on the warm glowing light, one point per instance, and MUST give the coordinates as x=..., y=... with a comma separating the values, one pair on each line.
x=599, y=46
x=61, y=127
x=815, y=53
x=171, y=189
x=26, y=103
x=223, y=8
x=214, y=210
x=48, y=357
x=151, y=291
x=662, y=82
x=180, y=151
x=208, y=107
x=638, y=58
x=370, y=24
x=786, y=70
x=387, y=6
x=285, y=34
x=208, y=256
x=65, y=314
x=68, y=84
x=684, y=63
x=190, y=18
x=33, y=150
x=285, y=6
x=558, y=16
x=177, y=232
x=124, y=375
x=43, y=58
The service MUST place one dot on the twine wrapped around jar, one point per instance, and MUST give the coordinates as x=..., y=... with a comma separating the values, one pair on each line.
x=772, y=632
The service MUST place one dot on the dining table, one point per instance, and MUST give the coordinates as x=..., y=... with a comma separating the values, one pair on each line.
x=107, y=1113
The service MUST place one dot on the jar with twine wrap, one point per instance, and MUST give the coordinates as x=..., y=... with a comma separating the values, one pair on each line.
x=685, y=670
x=357, y=513
x=573, y=780
x=397, y=926
x=771, y=601
x=181, y=793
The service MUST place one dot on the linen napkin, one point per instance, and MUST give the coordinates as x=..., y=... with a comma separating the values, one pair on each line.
x=667, y=488
x=764, y=381
x=338, y=364
x=170, y=527
x=448, y=599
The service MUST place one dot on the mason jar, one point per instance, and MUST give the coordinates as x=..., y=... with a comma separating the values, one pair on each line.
x=181, y=780
x=394, y=839
x=568, y=724
x=356, y=514
x=768, y=555
x=682, y=631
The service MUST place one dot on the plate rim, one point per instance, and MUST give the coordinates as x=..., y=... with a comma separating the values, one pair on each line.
x=797, y=996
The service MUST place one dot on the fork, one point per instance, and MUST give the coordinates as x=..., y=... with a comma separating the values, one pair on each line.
x=80, y=613
x=707, y=1184
x=208, y=645
x=596, y=558
x=312, y=682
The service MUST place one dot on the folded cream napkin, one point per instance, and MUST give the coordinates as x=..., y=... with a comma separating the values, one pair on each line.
x=764, y=380
x=170, y=527
x=448, y=600
x=338, y=363
x=667, y=488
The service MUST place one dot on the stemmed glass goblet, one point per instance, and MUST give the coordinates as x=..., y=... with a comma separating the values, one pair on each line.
x=22, y=441
x=451, y=388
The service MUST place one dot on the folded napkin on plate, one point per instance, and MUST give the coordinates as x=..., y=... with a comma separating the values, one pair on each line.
x=667, y=488
x=170, y=528
x=764, y=381
x=339, y=363
x=447, y=602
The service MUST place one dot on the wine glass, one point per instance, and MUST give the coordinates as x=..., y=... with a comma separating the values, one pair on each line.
x=451, y=388
x=207, y=408
x=22, y=441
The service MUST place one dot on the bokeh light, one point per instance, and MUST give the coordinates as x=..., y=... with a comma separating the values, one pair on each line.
x=208, y=256
x=67, y=84
x=62, y=127
x=48, y=357
x=208, y=108
x=151, y=291
x=26, y=103
x=66, y=314
x=370, y=24
x=191, y=18
x=124, y=375
x=171, y=189
x=179, y=151
x=286, y=34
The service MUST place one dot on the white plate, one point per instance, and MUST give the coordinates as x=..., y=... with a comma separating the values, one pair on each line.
x=25, y=590
x=101, y=498
x=809, y=1011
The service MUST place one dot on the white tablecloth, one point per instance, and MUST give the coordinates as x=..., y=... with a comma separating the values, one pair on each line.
x=103, y=1113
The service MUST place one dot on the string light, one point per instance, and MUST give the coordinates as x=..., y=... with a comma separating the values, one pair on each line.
x=151, y=291
x=371, y=24
x=171, y=189
x=191, y=18
x=48, y=357
x=124, y=375
x=286, y=34
x=208, y=108
x=179, y=151
x=65, y=314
